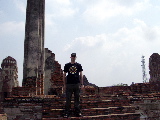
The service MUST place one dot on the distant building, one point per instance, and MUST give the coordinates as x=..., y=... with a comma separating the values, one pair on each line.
x=154, y=67
x=8, y=76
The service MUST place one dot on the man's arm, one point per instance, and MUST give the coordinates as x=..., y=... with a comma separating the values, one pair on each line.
x=81, y=78
x=64, y=81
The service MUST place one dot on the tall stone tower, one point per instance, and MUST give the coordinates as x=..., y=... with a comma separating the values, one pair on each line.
x=154, y=67
x=33, y=66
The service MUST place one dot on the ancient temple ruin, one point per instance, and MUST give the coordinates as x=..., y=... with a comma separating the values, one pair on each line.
x=8, y=76
x=33, y=67
x=154, y=66
x=39, y=63
x=41, y=98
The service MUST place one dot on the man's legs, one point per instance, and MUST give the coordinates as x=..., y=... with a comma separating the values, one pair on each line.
x=70, y=88
x=69, y=91
x=77, y=98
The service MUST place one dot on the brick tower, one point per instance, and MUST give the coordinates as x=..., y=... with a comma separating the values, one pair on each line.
x=8, y=76
x=154, y=67
x=33, y=66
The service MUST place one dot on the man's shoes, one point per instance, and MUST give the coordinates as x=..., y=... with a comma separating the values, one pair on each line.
x=78, y=114
x=66, y=115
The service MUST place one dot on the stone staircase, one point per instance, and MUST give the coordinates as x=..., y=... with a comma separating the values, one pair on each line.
x=93, y=108
x=51, y=107
x=107, y=103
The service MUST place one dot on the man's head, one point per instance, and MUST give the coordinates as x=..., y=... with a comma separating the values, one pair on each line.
x=73, y=57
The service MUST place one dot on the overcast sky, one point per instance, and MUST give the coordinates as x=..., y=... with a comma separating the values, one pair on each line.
x=109, y=36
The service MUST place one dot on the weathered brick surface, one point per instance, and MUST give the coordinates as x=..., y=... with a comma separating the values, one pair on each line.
x=114, y=90
x=148, y=106
x=129, y=116
x=142, y=88
x=53, y=75
x=51, y=106
x=23, y=108
x=120, y=102
x=3, y=116
x=23, y=91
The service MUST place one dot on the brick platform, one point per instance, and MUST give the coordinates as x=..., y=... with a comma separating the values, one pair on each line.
x=120, y=103
x=52, y=107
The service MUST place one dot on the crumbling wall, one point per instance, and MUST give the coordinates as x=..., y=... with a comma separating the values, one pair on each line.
x=149, y=109
x=49, y=68
x=57, y=80
x=53, y=74
x=114, y=90
x=23, y=108
x=23, y=91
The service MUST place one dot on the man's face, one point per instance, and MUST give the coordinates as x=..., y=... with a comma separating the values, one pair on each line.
x=73, y=58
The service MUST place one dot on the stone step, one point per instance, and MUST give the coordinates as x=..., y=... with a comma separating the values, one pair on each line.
x=91, y=111
x=109, y=110
x=87, y=104
x=125, y=116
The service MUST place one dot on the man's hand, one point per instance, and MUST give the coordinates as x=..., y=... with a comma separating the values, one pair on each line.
x=82, y=87
x=64, y=89
x=64, y=82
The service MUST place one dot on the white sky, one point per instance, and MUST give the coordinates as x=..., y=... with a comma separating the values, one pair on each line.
x=109, y=36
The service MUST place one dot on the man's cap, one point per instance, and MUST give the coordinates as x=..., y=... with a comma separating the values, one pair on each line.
x=73, y=55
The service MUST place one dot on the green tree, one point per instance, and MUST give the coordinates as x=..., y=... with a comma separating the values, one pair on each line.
x=120, y=84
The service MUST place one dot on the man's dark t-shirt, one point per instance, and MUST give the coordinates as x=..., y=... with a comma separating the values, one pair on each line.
x=73, y=72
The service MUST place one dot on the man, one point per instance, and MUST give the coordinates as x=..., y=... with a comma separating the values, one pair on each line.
x=72, y=85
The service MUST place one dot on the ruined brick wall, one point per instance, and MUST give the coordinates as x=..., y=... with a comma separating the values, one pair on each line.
x=26, y=108
x=53, y=74
x=90, y=90
x=148, y=107
x=140, y=88
x=145, y=97
x=151, y=87
x=57, y=80
x=154, y=67
x=114, y=89
x=23, y=91
x=49, y=68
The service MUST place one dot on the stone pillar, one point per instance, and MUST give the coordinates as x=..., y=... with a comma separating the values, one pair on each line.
x=33, y=65
x=154, y=67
